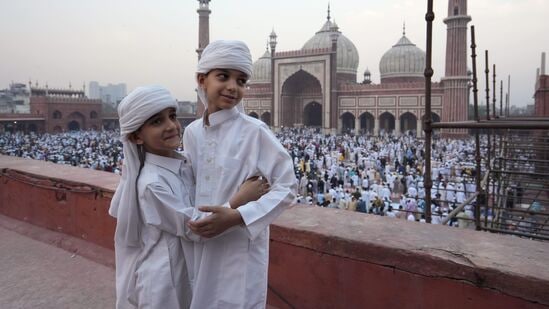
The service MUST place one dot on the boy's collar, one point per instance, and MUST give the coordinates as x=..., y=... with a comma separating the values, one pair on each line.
x=171, y=164
x=219, y=117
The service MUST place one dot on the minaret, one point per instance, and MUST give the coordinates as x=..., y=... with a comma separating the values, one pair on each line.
x=203, y=25
x=203, y=39
x=456, y=80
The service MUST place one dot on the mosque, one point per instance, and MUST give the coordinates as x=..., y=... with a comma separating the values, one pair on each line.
x=317, y=85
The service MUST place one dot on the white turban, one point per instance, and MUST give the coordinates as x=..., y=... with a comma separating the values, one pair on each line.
x=224, y=54
x=138, y=106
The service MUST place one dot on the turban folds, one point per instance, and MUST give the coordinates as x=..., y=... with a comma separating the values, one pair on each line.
x=224, y=54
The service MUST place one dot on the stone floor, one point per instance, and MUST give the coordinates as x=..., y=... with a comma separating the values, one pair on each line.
x=34, y=274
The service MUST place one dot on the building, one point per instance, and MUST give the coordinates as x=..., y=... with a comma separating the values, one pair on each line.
x=541, y=95
x=55, y=110
x=111, y=94
x=317, y=84
x=60, y=110
x=15, y=99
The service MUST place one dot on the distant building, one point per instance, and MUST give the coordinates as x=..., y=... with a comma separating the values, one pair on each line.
x=317, y=84
x=110, y=94
x=542, y=91
x=53, y=111
x=15, y=99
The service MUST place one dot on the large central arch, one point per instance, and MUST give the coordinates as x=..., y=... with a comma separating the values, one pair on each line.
x=298, y=89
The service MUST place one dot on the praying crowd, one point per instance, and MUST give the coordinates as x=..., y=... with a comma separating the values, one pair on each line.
x=382, y=175
x=378, y=175
x=87, y=149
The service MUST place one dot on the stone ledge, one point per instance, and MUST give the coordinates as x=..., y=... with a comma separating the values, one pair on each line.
x=512, y=266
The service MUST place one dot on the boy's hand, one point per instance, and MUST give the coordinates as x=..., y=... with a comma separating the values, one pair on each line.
x=218, y=222
x=251, y=190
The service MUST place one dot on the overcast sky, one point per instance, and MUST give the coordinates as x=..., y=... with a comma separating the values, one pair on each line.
x=140, y=42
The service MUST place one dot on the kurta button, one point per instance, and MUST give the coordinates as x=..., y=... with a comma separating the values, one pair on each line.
x=209, y=160
x=207, y=177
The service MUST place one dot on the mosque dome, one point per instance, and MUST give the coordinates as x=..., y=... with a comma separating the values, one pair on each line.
x=261, y=72
x=403, y=62
x=347, y=54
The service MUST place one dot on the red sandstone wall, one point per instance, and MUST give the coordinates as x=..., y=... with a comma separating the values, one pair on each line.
x=319, y=258
x=44, y=203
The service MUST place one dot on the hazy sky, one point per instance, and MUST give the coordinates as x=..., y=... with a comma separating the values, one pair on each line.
x=141, y=42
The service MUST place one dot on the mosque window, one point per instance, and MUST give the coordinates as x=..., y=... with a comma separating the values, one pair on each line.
x=456, y=10
x=93, y=115
x=57, y=115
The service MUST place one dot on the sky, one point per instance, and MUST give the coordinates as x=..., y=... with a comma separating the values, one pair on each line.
x=140, y=42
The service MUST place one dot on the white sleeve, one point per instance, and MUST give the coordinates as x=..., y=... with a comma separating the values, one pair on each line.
x=159, y=211
x=275, y=164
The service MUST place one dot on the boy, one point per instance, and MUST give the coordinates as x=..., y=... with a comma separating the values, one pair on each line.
x=226, y=147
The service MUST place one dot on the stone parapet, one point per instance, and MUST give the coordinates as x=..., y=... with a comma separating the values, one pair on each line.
x=319, y=257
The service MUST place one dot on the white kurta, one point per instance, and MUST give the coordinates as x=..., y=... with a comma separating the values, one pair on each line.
x=231, y=269
x=155, y=275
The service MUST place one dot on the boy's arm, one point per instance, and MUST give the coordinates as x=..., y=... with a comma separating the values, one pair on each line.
x=275, y=164
x=222, y=218
x=160, y=212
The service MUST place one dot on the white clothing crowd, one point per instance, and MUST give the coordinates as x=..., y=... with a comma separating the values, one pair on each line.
x=378, y=175
x=382, y=175
x=87, y=149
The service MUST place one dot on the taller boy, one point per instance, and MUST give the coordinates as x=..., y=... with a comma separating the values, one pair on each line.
x=227, y=147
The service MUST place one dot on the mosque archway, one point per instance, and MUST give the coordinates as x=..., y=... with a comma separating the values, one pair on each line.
x=434, y=117
x=312, y=115
x=57, y=129
x=266, y=117
x=408, y=122
x=367, y=122
x=32, y=127
x=296, y=90
x=76, y=121
x=386, y=122
x=347, y=122
x=254, y=115
x=73, y=126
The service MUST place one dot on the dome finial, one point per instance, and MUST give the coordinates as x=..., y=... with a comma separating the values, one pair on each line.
x=404, y=28
x=328, y=10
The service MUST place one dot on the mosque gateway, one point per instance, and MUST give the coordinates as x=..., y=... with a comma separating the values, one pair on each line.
x=317, y=86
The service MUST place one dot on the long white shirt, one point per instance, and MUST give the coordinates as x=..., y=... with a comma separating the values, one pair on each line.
x=155, y=275
x=231, y=269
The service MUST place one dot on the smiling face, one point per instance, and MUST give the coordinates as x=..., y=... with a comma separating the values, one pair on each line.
x=224, y=88
x=160, y=134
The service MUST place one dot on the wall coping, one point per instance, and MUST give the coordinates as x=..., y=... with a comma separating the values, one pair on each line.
x=508, y=264
x=103, y=180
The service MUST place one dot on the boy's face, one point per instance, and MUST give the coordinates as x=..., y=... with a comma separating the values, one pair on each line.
x=224, y=88
x=160, y=134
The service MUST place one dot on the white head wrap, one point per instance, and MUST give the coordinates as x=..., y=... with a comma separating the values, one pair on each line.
x=224, y=54
x=138, y=106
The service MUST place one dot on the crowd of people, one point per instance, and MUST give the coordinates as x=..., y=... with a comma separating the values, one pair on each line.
x=87, y=149
x=382, y=175
x=378, y=175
